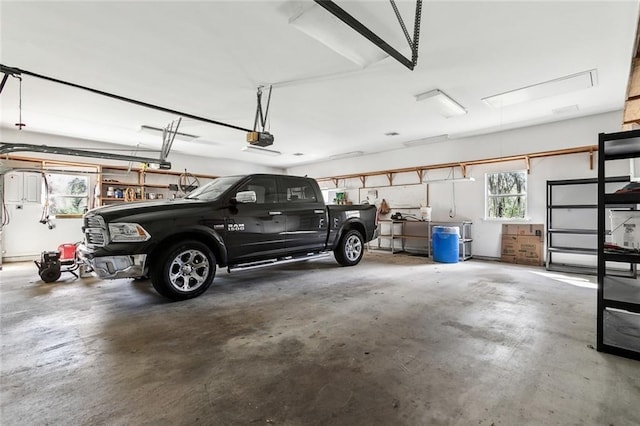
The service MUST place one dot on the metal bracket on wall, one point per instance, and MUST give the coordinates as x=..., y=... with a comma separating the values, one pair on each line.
x=463, y=169
x=390, y=178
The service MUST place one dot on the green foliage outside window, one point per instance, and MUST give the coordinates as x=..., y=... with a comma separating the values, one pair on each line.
x=67, y=194
x=506, y=195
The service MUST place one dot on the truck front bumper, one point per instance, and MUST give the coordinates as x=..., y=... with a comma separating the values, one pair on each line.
x=112, y=267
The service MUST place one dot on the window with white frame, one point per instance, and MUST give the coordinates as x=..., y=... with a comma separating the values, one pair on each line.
x=506, y=195
x=66, y=193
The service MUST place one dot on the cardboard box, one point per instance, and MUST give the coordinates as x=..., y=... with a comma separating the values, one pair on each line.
x=625, y=228
x=536, y=230
x=509, y=248
x=522, y=244
x=519, y=229
x=529, y=250
x=509, y=229
x=509, y=245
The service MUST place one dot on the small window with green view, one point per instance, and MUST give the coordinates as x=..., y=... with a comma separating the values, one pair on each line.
x=506, y=195
x=67, y=194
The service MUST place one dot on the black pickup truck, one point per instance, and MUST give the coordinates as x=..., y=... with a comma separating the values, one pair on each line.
x=237, y=222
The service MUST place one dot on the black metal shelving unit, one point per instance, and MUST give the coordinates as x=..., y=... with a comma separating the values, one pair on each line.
x=618, y=316
x=585, y=242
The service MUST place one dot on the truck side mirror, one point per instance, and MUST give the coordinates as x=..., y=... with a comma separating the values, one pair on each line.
x=244, y=197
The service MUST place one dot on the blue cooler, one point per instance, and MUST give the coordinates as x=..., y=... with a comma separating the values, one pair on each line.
x=446, y=244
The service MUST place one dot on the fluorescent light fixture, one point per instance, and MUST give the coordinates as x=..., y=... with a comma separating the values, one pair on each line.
x=565, y=110
x=322, y=26
x=444, y=104
x=426, y=141
x=346, y=155
x=467, y=179
x=558, y=86
x=158, y=132
x=263, y=151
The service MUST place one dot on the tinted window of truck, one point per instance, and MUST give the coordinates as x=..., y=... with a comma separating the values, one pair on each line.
x=264, y=187
x=298, y=190
x=214, y=189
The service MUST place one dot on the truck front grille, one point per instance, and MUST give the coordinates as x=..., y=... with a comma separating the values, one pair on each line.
x=95, y=238
x=95, y=231
x=94, y=221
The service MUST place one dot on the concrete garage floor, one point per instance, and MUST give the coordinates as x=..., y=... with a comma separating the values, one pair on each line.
x=396, y=340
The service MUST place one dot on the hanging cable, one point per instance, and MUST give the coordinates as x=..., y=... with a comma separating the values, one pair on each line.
x=401, y=21
x=5, y=212
x=452, y=210
x=44, y=218
x=259, y=115
x=19, y=124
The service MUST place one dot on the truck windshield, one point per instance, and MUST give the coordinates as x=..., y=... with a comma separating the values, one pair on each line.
x=213, y=189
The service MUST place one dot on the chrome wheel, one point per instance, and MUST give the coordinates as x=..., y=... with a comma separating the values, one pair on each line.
x=353, y=248
x=189, y=270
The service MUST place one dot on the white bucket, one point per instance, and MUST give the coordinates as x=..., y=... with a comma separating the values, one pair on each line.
x=425, y=213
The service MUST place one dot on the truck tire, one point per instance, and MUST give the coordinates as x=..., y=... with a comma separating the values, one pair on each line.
x=184, y=271
x=350, y=248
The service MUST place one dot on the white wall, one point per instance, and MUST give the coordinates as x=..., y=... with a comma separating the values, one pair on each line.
x=558, y=135
x=470, y=196
x=25, y=237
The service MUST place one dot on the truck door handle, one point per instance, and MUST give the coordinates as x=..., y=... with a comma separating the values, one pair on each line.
x=318, y=211
x=275, y=213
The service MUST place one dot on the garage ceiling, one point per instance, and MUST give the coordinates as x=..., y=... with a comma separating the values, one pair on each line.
x=208, y=58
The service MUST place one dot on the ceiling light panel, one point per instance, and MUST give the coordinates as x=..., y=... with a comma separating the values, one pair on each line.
x=262, y=151
x=566, y=110
x=330, y=31
x=426, y=141
x=346, y=155
x=558, y=86
x=442, y=103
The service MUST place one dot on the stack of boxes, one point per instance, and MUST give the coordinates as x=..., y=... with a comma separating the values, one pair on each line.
x=625, y=228
x=522, y=244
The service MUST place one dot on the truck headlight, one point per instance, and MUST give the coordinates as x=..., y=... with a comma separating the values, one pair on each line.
x=127, y=232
